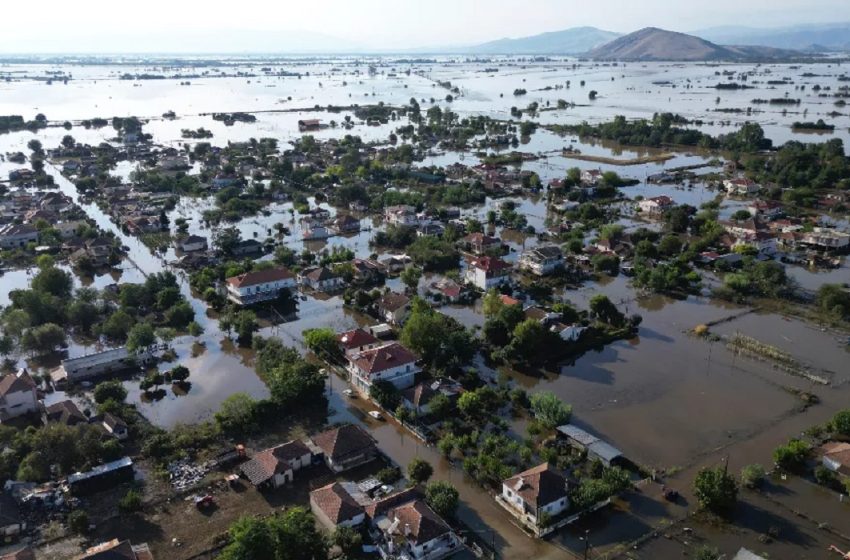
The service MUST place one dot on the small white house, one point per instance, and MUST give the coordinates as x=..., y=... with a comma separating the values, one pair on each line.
x=191, y=243
x=335, y=506
x=656, y=205
x=276, y=466
x=18, y=395
x=741, y=186
x=261, y=285
x=542, y=261
x=321, y=279
x=401, y=215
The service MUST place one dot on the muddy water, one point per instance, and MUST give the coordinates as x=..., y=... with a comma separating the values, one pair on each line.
x=664, y=398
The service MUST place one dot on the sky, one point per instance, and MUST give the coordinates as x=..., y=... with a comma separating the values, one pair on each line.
x=335, y=25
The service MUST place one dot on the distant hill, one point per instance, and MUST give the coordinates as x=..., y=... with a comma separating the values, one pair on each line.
x=824, y=37
x=652, y=43
x=569, y=41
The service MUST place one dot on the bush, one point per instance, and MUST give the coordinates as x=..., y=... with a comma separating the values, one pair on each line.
x=389, y=475
x=792, y=456
x=841, y=422
x=716, y=490
x=131, y=502
x=752, y=476
x=78, y=521
x=824, y=476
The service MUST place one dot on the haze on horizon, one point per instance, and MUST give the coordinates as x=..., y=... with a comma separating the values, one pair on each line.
x=100, y=26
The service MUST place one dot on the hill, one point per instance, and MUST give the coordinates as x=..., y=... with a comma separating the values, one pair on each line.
x=652, y=43
x=569, y=41
x=824, y=37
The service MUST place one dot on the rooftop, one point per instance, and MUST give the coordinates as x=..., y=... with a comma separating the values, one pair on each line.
x=539, y=485
x=260, y=277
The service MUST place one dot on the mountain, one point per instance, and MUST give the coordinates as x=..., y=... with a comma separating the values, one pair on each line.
x=818, y=37
x=652, y=43
x=569, y=41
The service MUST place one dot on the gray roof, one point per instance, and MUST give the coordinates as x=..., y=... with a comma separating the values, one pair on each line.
x=101, y=469
x=594, y=445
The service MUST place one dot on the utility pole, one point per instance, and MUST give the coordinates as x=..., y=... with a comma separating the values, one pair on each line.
x=586, y=542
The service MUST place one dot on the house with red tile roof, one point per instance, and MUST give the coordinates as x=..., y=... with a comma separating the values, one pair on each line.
x=836, y=457
x=276, y=466
x=392, y=363
x=355, y=341
x=334, y=506
x=345, y=447
x=260, y=285
x=413, y=530
x=536, y=492
x=488, y=272
x=480, y=243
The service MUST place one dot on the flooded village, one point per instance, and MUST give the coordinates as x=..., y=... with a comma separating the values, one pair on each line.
x=424, y=307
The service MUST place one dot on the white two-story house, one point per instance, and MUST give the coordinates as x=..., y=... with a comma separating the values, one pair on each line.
x=262, y=285
x=413, y=531
x=488, y=272
x=536, y=493
x=18, y=395
x=393, y=363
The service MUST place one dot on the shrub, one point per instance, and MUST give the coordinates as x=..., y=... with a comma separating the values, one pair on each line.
x=78, y=521
x=131, y=502
x=752, y=476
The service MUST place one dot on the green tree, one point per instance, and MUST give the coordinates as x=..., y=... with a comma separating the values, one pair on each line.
x=237, y=414
x=180, y=315
x=323, y=343
x=53, y=281
x=43, y=339
x=385, y=394
x=419, y=471
x=670, y=245
x=716, y=490
x=110, y=390
x=141, y=336
x=117, y=325
x=440, y=407
x=602, y=307
x=442, y=497
x=550, y=410
x=841, y=422
x=410, y=276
